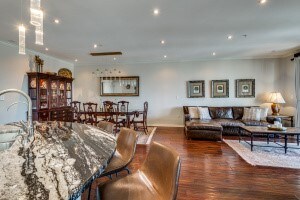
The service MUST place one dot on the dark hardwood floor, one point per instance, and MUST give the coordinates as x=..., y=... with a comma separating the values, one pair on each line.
x=212, y=170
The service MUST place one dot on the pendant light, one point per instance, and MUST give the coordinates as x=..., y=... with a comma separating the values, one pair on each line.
x=22, y=39
x=39, y=35
x=36, y=16
x=35, y=12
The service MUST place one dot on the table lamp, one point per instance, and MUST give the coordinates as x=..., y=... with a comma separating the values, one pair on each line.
x=277, y=99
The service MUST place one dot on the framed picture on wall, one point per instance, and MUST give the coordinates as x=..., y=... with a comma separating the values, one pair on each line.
x=245, y=88
x=196, y=89
x=220, y=88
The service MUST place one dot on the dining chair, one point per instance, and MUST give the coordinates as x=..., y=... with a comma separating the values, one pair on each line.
x=140, y=119
x=123, y=107
x=76, y=108
x=156, y=179
x=89, y=113
x=111, y=110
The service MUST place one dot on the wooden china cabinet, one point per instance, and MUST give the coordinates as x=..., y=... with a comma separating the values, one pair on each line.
x=51, y=96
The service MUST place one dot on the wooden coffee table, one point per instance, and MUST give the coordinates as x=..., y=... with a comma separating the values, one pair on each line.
x=254, y=131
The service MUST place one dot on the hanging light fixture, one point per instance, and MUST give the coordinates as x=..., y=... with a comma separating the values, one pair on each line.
x=22, y=39
x=39, y=35
x=36, y=14
x=36, y=4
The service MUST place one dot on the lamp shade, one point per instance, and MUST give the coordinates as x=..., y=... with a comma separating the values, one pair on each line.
x=276, y=97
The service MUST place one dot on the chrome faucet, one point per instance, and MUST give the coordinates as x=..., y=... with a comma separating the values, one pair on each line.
x=29, y=103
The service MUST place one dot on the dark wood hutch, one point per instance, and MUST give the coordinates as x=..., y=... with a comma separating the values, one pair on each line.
x=51, y=96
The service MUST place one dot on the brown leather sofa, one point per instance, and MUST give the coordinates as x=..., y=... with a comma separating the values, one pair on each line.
x=224, y=121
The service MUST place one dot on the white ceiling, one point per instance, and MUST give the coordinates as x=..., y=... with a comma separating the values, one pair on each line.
x=192, y=29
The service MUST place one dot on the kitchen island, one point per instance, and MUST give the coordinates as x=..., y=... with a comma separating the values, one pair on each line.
x=60, y=161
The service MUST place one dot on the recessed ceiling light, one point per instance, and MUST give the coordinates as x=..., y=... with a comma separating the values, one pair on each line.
x=162, y=42
x=115, y=58
x=229, y=37
x=56, y=21
x=46, y=49
x=95, y=46
x=156, y=11
x=262, y=1
x=76, y=60
x=214, y=53
x=165, y=56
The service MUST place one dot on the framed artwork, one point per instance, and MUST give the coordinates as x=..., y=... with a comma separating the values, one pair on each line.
x=196, y=89
x=220, y=88
x=245, y=88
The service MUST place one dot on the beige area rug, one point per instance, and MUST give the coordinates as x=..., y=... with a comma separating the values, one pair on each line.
x=266, y=156
x=145, y=138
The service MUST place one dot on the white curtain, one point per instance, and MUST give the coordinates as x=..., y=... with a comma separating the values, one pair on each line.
x=297, y=87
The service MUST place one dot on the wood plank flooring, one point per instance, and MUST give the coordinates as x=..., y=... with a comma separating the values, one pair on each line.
x=212, y=170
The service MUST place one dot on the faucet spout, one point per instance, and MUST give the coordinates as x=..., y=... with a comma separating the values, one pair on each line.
x=29, y=102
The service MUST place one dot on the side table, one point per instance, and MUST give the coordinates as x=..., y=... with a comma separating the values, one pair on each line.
x=282, y=117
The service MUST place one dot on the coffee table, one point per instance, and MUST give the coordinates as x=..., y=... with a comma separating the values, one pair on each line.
x=255, y=131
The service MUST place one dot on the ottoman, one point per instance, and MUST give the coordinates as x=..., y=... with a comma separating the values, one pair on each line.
x=203, y=130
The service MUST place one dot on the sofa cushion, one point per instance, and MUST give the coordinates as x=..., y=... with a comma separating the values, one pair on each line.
x=255, y=123
x=194, y=112
x=252, y=114
x=221, y=112
x=203, y=125
x=229, y=122
x=204, y=113
x=238, y=112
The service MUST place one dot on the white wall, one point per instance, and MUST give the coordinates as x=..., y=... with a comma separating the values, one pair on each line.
x=13, y=68
x=285, y=78
x=163, y=85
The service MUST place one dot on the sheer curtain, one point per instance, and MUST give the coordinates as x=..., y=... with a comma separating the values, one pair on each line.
x=297, y=87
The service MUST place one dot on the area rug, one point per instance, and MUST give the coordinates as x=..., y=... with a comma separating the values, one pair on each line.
x=266, y=156
x=146, y=138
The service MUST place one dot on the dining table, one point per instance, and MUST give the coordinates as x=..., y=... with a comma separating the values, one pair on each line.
x=60, y=162
x=106, y=114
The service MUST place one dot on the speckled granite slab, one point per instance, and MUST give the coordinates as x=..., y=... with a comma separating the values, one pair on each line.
x=59, y=163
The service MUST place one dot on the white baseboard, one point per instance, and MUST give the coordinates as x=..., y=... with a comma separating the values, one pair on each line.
x=166, y=125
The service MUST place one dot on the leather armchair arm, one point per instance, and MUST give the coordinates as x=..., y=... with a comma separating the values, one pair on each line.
x=187, y=117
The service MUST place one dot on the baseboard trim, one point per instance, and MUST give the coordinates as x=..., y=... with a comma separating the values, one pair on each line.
x=167, y=125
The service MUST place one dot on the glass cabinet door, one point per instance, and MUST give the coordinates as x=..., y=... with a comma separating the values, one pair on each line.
x=33, y=91
x=62, y=94
x=43, y=93
x=54, y=93
x=69, y=93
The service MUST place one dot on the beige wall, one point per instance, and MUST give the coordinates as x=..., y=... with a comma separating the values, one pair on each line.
x=164, y=85
x=13, y=68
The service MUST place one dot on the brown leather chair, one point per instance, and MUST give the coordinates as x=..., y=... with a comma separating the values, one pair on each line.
x=126, y=144
x=106, y=126
x=156, y=179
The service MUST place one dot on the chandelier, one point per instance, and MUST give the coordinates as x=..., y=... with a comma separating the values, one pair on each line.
x=36, y=19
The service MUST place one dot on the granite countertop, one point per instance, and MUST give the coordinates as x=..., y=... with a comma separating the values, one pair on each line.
x=59, y=163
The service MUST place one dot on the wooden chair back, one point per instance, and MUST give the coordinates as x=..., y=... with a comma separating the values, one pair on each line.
x=89, y=112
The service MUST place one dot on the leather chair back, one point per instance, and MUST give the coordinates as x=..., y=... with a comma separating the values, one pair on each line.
x=162, y=169
x=106, y=126
x=126, y=144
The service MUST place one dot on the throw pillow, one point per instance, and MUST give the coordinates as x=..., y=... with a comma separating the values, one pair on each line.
x=264, y=114
x=252, y=114
x=204, y=113
x=194, y=112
